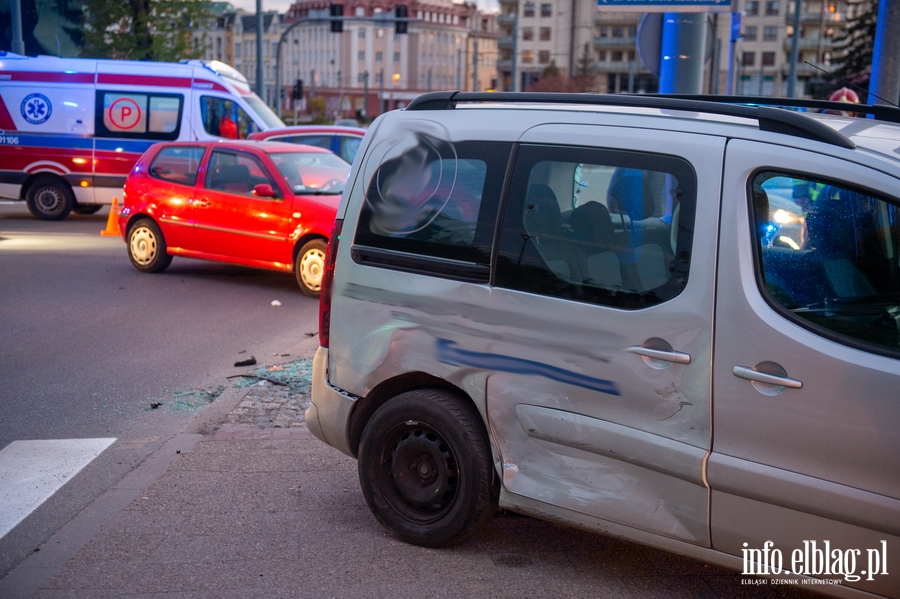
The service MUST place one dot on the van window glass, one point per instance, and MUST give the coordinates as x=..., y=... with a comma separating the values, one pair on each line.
x=437, y=200
x=318, y=173
x=599, y=226
x=177, y=164
x=235, y=172
x=224, y=118
x=139, y=115
x=829, y=256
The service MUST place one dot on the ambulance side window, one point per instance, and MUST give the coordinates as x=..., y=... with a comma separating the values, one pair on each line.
x=224, y=118
x=136, y=115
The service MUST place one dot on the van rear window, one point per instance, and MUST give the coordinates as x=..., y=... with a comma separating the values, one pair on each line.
x=138, y=115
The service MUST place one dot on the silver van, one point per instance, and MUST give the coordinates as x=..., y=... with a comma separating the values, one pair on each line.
x=670, y=320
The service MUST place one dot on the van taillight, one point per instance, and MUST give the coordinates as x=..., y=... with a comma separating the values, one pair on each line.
x=327, y=280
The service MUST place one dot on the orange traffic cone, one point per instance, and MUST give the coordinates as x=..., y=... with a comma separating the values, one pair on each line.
x=112, y=223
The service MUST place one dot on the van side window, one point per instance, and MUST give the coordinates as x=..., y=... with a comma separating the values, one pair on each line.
x=139, y=115
x=224, y=118
x=177, y=164
x=599, y=226
x=437, y=201
x=829, y=256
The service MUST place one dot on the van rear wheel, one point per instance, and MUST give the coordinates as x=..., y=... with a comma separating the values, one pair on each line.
x=49, y=199
x=425, y=468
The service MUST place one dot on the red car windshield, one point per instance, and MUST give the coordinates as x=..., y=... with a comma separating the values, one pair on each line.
x=312, y=173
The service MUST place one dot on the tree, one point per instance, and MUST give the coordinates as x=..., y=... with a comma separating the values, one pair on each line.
x=553, y=80
x=855, y=47
x=143, y=29
x=585, y=66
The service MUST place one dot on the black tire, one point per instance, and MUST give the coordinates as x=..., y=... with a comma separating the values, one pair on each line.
x=425, y=468
x=147, y=247
x=309, y=267
x=87, y=208
x=49, y=199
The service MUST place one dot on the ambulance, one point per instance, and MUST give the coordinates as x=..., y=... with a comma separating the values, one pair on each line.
x=71, y=129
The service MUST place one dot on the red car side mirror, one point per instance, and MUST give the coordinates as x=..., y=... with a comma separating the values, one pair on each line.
x=264, y=190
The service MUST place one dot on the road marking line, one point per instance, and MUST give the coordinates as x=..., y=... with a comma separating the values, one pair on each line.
x=32, y=471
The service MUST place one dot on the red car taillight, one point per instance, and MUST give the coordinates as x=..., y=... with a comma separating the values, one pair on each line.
x=327, y=280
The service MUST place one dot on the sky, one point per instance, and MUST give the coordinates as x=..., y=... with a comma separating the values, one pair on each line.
x=282, y=5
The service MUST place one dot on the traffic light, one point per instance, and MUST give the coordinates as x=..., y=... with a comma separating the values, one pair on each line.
x=298, y=89
x=401, y=13
x=337, y=15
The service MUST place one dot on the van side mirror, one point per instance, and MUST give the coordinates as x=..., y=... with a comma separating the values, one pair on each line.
x=264, y=190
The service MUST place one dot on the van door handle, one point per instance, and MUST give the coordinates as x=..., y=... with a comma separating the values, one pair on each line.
x=745, y=372
x=676, y=357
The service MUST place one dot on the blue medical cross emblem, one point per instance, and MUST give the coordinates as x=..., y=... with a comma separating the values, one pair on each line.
x=36, y=108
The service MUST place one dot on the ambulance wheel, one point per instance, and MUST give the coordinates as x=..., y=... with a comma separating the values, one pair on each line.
x=147, y=247
x=49, y=199
x=87, y=208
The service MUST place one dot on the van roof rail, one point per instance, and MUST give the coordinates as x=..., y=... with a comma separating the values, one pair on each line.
x=777, y=120
x=881, y=112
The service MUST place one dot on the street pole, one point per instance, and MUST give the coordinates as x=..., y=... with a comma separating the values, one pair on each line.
x=681, y=60
x=365, y=110
x=885, y=81
x=18, y=42
x=458, y=68
x=514, y=75
x=795, y=43
x=475, y=66
x=260, y=83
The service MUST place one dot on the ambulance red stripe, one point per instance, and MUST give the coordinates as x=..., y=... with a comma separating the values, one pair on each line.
x=47, y=77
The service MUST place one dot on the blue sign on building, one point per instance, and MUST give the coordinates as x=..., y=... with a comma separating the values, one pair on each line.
x=665, y=5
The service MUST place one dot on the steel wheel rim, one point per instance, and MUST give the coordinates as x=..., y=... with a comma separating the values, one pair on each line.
x=144, y=246
x=49, y=200
x=312, y=265
x=418, y=472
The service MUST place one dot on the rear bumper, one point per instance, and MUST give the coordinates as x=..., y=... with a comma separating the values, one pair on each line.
x=328, y=414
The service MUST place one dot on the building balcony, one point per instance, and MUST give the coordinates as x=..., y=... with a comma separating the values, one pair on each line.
x=506, y=19
x=505, y=42
x=511, y=3
x=618, y=66
x=807, y=44
x=616, y=18
x=504, y=64
x=812, y=18
x=610, y=42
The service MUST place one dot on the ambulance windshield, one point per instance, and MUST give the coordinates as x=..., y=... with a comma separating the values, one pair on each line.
x=265, y=114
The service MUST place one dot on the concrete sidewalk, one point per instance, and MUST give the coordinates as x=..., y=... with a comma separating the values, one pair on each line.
x=249, y=504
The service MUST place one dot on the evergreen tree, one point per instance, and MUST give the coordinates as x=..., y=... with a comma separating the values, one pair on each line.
x=143, y=29
x=855, y=47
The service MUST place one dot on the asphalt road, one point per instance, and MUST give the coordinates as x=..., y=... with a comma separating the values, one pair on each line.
x=88, y=344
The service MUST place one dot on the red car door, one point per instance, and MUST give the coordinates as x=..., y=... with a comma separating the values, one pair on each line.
x=235, y=225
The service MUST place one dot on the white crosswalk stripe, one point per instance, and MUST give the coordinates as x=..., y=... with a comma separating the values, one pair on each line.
x=32, y=471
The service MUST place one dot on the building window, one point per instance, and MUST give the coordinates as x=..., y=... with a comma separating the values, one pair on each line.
x=618, y=32
x=616, y=56
x=546, y=10
x=750, y=33
x=527, y=33
x=527, y=56
x=604, y=32
x=396, y=57
x=360, y=12
x=748, y=59
x=544, y=57
x=768, y=59
x=772, y=7
x=528, y=9
x=601, y=55
x=361, y=33
x=379, y=57
x=379, y=33
x=545, y=34
x=752, y=7
x=770, y=34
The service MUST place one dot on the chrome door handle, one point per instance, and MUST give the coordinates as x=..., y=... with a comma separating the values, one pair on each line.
x=676, y=357
x=745, y=372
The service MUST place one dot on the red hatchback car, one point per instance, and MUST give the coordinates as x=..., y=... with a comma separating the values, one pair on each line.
x=261, y=204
